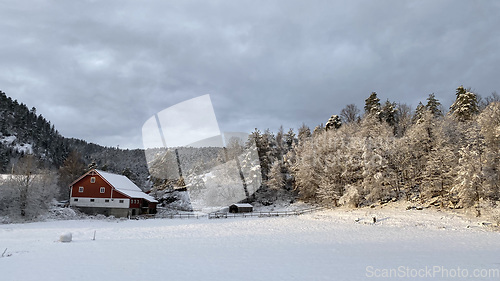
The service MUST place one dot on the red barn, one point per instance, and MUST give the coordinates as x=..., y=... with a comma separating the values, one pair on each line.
x=99, y=192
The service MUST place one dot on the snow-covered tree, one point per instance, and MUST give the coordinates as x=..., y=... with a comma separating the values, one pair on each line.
x=439, y=173
x=489, y=121
x=290, y=138
x=468, y=184
x=304, y=133
x=30, y=189
x=434, y=106
x=419, y=112
x=404, y=117
x=318, y=130
x=351, y=197
x=389, y=113
x=265, y=150
x=372, y=105
x=333, y=123
x=465, y=106
x=305, y=170
x=276, y=178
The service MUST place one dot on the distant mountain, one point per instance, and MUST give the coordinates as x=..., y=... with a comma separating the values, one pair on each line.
x=23, y=131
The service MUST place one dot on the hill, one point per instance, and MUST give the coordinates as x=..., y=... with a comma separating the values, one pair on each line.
x=23, y=131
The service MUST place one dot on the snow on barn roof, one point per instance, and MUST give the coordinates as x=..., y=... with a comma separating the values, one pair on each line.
x=125, y=186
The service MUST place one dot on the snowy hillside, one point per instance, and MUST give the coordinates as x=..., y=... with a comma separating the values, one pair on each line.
x=328, y=245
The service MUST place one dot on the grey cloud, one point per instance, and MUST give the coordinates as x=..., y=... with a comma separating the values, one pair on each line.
x=98, y=70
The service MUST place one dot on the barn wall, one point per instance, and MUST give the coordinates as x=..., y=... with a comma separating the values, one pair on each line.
x=135, y=203
x=92, y=190
x=100, y=202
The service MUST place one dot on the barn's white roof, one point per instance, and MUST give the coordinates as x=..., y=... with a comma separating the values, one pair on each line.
x=125, y=186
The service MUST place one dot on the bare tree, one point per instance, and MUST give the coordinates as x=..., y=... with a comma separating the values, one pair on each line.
x=350, y=113
x=404, y=116
x=72, y=168
x=33, y=189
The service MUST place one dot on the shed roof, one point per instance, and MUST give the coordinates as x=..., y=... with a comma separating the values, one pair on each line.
x=242, y=205
x=125, y=186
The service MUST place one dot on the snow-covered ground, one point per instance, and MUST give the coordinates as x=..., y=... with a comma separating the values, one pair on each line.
x=327, y=245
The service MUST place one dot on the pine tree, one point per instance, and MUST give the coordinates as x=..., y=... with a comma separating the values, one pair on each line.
x=465, y=106
x=304, y=133
x=333, y=123
x=318, y=130
x=438, y=174
x=419, y=112
x=276, y=179
x=305, y=170
x=290, y=139
x=388, y=113
x=372, y=105
x=434, y=106
x=468, y=184
x=261, y=142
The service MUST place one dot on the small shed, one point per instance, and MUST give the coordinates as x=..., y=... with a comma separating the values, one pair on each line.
x=241, y=208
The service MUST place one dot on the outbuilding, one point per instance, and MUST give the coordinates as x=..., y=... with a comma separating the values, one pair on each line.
x=241, y=208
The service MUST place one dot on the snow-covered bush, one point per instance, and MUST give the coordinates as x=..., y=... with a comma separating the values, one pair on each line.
x=351, y=197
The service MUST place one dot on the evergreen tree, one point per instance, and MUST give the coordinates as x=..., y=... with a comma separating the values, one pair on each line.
x=434, y=106
x=372, y=105
x=276, y=179
x=388, y=113
x=333, y=123
x=419, y=112
x=465, y=106
x=290, y=139
x=318, y=130
x=438, y=174
x=264, y=151
x=304, y=133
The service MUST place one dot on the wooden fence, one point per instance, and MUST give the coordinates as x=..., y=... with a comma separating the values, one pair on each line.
x=220, y=215
x=181, y=216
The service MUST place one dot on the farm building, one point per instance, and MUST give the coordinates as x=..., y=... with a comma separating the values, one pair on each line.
x=99, y=192
x=241, y=208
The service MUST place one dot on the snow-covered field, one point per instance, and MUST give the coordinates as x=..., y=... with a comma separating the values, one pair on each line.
x=327, y=245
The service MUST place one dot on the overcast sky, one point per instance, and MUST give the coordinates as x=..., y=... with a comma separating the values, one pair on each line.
x=99, y=69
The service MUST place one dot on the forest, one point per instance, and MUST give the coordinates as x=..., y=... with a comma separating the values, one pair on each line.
x=389, y=152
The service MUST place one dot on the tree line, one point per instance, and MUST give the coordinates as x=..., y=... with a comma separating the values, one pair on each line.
x=390, y=153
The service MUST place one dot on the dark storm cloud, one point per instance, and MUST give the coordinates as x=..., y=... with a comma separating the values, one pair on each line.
x=98, y=70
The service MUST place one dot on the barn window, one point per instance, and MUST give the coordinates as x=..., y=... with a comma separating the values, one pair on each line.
x=92, y=180
x=107, y=200
x=92, y=200
x=80, y=189
x=121, y=201
x=76, y=199
x=103, y=189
